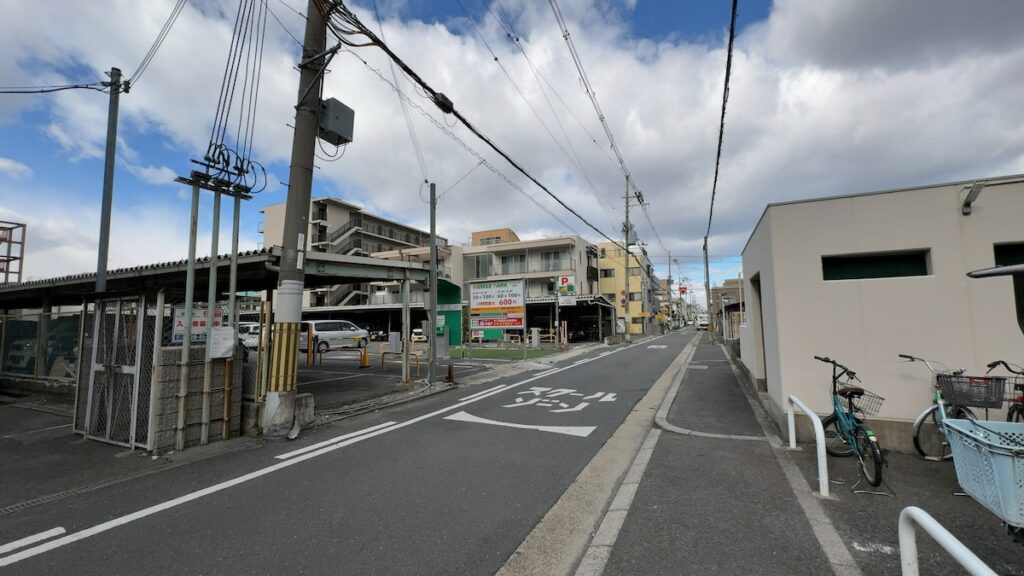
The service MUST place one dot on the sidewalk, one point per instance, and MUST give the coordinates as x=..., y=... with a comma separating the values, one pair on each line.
x=708, y=504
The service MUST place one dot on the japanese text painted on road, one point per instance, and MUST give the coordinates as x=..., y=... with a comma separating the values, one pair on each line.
x=559, y=399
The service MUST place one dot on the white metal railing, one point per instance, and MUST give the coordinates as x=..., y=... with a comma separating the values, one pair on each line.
x=908, y=543
x=819, y=439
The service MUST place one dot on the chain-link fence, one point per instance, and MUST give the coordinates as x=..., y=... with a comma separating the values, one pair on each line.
x=40, y=344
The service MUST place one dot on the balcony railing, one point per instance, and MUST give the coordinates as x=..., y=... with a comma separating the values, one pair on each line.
x=382, y=298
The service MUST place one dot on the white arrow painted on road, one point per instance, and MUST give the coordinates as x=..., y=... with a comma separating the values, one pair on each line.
x=581, y=431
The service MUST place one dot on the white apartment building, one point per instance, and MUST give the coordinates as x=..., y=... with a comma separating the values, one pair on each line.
x=340, y=227
x=865, y=277
x=501, y=255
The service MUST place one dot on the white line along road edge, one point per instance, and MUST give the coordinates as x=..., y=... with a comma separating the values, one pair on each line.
x=335, y=444
x=11, y=546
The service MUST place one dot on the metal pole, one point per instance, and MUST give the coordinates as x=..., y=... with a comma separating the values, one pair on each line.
x=211, y=315
x=558, y=325
x=432, y=319
x=406, y=319
x=625, y=267
x=233, y=277
x=707, y=285
x=108, y=179
x=279, y=417
x=186, y=341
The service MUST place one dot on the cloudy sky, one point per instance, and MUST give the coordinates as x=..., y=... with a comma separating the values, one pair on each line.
x=827, y=97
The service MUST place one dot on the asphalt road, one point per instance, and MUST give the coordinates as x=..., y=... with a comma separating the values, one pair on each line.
x=449, y=484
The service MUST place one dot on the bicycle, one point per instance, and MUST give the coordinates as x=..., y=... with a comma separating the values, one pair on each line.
x=846, y=431
x=1015, y=390
x=957, y=394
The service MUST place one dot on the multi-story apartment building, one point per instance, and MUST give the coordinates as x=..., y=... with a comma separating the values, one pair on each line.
x=501, y=255
x=634, y=305
x=340, y=227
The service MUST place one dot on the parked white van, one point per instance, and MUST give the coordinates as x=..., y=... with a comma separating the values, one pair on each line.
x=332, y=334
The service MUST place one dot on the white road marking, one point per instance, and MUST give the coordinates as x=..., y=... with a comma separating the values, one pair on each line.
x=471, y=396
x=36, y=430
x=10, y=546
x=336, y=378
x=581, y=431
x=145, y=512
x=657, y=346
x=872, y=547
x=312, y=447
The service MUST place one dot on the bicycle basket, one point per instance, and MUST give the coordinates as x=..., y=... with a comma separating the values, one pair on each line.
x=1014, y=388
x=976, y=391
x=989, y=460
x=869, y=404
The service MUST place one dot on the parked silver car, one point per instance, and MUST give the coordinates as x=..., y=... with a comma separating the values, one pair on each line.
x=330, y=334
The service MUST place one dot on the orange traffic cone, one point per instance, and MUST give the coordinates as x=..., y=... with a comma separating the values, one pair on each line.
x=364, y=358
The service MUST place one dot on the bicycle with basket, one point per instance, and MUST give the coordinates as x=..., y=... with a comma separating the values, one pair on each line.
x=845, y=431
x=989, y=456
x=959, y=393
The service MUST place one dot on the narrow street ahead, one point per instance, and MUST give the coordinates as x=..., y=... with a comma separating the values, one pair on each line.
x=449, y=484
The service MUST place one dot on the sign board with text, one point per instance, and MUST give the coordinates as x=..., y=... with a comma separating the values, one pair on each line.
x=500, y=304
x=199, y=322
x=565, y=288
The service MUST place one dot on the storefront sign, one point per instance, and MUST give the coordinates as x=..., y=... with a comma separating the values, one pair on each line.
x=497, y=305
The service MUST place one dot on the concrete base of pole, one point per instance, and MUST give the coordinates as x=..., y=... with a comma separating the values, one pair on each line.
x=288, y=301
x=279, y=414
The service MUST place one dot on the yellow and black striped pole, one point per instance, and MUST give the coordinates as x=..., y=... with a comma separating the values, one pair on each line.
x=284, y=357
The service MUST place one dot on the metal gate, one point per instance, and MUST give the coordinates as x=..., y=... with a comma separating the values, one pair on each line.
x=116, y=412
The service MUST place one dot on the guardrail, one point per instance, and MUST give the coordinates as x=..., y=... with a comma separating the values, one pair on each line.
x=819, y=439
x=908, y=543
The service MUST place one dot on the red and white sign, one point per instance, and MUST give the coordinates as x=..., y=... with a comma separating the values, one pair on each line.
x=682, y=289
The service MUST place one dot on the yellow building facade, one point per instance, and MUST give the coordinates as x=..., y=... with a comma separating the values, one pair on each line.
x=612, y=275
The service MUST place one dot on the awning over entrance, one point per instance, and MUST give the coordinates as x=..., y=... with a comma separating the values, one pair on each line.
x=595, y=299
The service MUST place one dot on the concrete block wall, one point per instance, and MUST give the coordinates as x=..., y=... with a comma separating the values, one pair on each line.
x=165, y=395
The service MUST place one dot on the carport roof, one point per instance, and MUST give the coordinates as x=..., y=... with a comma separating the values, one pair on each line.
x=257, y=271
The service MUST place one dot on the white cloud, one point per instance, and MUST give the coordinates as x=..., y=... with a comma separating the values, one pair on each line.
x=827, y=97
x=14, y=170
x=153, y=174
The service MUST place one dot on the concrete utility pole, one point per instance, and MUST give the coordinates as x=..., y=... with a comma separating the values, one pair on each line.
x=625, y=266
x=433, y=285
x=279, y=416
x=108, y=179
x=707, y=283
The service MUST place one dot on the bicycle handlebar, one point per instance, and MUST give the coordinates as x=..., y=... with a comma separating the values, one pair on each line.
x=845, y=371
x=992, y=365
x=945, y=369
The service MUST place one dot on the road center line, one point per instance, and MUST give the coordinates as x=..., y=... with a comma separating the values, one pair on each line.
x=140, y=514
x=10, y=546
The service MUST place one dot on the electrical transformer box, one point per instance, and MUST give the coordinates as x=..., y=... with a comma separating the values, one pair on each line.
x=336, y=121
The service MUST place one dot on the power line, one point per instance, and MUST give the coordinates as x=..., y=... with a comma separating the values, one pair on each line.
x=721, y=125
x=98, y=86
x=157, y=43
x=589, y=89
x=443, y=127
x=417, y=150
x=345, y=24
x=283, y=27
x=573, y=159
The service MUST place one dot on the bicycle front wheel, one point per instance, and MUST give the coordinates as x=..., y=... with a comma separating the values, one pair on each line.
x=930, y=438
x=835, y=440
x=870, y=456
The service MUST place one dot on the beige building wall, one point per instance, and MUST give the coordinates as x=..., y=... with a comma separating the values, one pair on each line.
x=613, y=259
x=496, y=236
x=865, y=323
